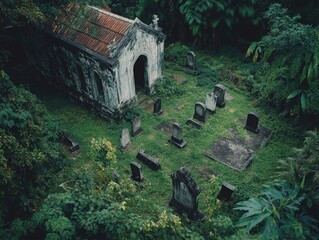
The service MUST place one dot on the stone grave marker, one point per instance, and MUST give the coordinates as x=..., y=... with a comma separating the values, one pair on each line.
x=136, y=126
x=191, y=60
x=116, y=176
x=226, y=191
x=70, y=143
x=193, y=123
x=219, y=91
x=185, y=194
x=252, y=122
x=150, y=161
x=136, y=172
x=158, y=107
x=210, y=102
x=125, y=138
x=200, y=112
x=177, y=136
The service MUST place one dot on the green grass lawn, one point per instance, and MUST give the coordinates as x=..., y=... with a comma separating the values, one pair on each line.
x=83, y=125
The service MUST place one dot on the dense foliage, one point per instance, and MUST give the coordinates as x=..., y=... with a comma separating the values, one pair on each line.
x=289, y=53
x=97, y=204
x=94, y=203
x=305, y=164
x=277, y=213
x=288, y=209
x=28, y=152
x=19, y=13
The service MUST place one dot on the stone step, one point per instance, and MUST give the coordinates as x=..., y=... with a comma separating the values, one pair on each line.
x=141, y=98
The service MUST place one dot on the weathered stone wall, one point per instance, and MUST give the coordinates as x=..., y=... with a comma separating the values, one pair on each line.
x=76, y=73
x=106, y=85
x=141, y=43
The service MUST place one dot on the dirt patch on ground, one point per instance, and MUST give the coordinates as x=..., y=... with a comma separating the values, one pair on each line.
x=165, y=126
x=228, y=96
x=206, y=172
x=179, y=79
x=179, y=108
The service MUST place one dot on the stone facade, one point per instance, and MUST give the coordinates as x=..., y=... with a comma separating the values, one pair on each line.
x=107, y=80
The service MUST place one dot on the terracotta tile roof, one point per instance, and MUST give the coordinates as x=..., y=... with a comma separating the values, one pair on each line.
x=91, y=27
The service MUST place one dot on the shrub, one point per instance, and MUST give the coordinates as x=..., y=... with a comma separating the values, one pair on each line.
x=169, y=87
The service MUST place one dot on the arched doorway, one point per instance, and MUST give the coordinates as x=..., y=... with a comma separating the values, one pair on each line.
x=140, y=73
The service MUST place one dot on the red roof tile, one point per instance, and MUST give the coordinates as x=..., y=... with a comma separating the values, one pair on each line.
x=91, y=27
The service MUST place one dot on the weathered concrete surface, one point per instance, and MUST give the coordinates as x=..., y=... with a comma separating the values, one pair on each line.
x=236, y=152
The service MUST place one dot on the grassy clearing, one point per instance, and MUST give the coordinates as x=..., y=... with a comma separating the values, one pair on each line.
x=83, y=125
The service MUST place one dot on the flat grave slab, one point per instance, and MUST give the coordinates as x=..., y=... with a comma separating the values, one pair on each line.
x=235, y=151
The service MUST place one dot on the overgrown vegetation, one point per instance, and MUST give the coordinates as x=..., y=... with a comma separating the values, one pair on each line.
x=288, y=77
x=42, y=197
x=28, y=151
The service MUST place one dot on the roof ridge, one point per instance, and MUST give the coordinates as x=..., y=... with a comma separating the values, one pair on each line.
x=111, y=14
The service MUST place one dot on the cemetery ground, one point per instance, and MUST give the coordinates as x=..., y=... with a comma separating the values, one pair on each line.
x=83, y=125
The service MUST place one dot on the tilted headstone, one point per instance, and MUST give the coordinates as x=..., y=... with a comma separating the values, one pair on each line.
x=136, y=126
x=200, y=112
x=185, y=194
x=136, y=172
x=125, y=138
x=158, y=107
x=226, y=191
x=150, y=161
x=193, y=123
x=219, y=91
x=116, y=176
x=210, y=102
x=68, y=141
x=252, y=122
x=191, y=60
x=177, y=136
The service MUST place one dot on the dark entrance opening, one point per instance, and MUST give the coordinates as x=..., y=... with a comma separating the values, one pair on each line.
x=140, y=73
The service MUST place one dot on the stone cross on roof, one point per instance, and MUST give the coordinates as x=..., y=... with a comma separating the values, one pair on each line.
x=155, y=21
x=112, y=47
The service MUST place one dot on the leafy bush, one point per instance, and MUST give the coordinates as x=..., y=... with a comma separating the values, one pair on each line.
x=305, y=164
x=206, y=75
x=132, y=112
x=98, y=208
x=176, y=53
x=277, y=213
x=289, y=60
x=29, y=153
x=169, y=87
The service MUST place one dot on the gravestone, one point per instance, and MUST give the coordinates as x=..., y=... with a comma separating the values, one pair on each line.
x=136, y=126
x=226, y=191
x=158, y=107
x=219, y=91
x=125, y=138
x=185, y=194
x=116, y=176
x=252, y=122
x=200, y=112
x=136, y=172
x=210, y=102
x=191, y=60
x=177, y=136
x=70, y=143
x=150, y=161
x=193, y=123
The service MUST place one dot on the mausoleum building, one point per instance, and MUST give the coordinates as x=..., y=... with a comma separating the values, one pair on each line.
x=99, y=58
